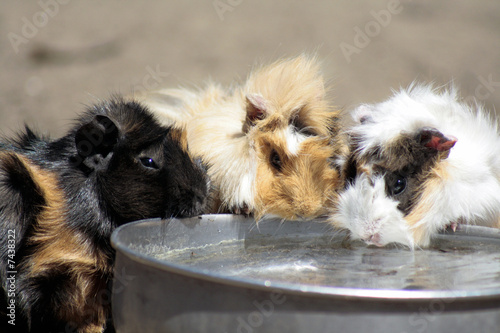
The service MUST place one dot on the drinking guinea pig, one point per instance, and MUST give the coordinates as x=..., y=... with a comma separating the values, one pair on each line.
x=61, y=199
x=273, y=145
x=420, y=161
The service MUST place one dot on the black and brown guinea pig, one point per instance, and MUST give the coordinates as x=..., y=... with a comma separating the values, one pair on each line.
x=61, y=199
x=273, y=145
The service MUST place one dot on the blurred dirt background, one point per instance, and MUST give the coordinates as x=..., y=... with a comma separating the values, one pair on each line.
x=57, y=56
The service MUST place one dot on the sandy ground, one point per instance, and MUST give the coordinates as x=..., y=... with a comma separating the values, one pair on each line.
x=56, y=56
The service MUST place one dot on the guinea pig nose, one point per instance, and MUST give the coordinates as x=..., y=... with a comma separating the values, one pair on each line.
x=374, y=239
x=309, y=209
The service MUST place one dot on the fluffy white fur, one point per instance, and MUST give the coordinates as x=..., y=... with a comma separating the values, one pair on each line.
x=370, y=215
x=467, y=186
x=294, y=140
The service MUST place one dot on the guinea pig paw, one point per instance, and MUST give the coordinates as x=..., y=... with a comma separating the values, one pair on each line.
x=453, y=225
x=241, y=210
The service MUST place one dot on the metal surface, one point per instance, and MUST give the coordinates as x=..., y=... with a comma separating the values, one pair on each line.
x=223, y=273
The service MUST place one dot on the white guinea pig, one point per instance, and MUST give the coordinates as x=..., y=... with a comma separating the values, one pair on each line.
x=420, y=161
x=273, y=145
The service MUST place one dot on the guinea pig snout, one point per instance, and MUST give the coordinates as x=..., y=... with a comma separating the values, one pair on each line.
x=198, y=193
x=188, y=186
x=373, y=239
x=198, y=202
x=309, y=208
x=191, y=202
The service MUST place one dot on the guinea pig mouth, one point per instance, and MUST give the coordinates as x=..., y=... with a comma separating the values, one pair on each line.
x=374, y=239
x=196, y=209
x=189, y=204
x=187, y=211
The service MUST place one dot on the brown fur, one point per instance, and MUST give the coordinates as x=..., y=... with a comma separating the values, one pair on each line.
x=402, y=151
x=404, y=155
x=233, y=131
x=180, y=136
x=304, y=186
x=430, y=183
x=58, y=247
x=294, y=93
x=295, y=89
x=63, y=198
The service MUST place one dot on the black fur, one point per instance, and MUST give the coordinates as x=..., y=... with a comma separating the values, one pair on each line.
x=115, y=166
x=404, y=163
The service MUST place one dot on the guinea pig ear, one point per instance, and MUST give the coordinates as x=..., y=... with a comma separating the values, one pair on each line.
x=432, y=138
x=257, y=108
x=98, y=137
x=363, y=114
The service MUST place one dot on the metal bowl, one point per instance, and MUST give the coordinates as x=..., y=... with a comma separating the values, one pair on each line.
x=225, y=273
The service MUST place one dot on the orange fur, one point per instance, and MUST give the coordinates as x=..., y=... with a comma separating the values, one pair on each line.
x=433, y=181
x=294, y=90
x=294, y=87
x=235, y=148
x=58, y=246
x=304, y=186
x=179, y=135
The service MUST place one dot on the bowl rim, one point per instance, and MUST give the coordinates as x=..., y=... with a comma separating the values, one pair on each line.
x=333, y=292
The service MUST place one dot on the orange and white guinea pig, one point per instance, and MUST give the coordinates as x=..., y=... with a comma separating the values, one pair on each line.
x=273, y=145
x=421, y=161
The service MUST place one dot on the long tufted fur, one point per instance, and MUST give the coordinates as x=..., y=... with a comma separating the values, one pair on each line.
x=448, y=153
x=280, y=112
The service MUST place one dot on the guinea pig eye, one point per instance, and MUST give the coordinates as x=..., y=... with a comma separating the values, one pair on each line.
x=398, y=186
x=275, y=160
x=148, y=162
